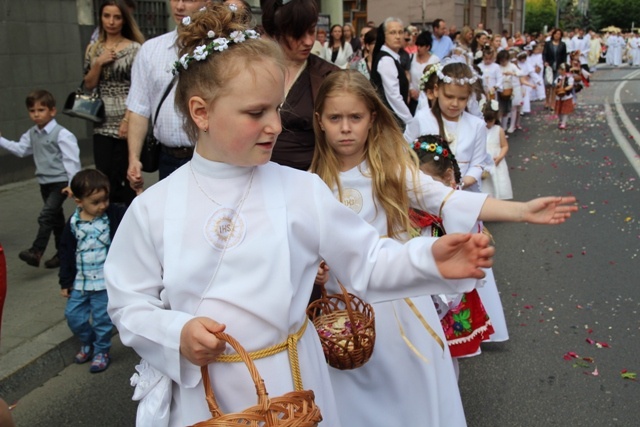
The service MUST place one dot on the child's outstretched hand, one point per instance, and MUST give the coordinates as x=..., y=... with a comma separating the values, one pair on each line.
x=549, y=210
x=197, y=342
x=460, y=256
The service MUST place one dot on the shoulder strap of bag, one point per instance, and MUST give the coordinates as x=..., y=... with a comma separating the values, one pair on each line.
x=164, y=96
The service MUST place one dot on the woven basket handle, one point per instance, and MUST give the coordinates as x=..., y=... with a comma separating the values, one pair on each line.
x=261, y=391
x=347, y=298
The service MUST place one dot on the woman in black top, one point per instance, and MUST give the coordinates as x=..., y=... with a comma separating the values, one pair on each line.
x=293, y=26
x=554, y=54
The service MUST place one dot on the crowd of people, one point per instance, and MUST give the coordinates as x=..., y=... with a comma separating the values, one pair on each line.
x=289, y=163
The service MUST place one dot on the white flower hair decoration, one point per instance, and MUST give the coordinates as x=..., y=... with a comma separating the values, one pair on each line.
x=494, y=105
x=426, y=76
x=202, y=52
x=462, y=81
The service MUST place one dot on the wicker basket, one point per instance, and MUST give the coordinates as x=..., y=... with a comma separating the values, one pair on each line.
x=293, y=409
x=346, y=327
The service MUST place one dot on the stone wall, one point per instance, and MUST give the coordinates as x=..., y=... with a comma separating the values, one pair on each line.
x=41, y=46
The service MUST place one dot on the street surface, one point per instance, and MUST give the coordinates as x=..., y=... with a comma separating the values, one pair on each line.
x=566, y=288
x=570, y=292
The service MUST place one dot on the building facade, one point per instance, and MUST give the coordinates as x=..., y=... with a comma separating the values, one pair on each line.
x=497, y=15
x=42, y=43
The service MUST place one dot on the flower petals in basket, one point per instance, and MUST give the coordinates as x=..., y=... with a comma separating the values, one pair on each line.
x=293, y=409
x=346, y=327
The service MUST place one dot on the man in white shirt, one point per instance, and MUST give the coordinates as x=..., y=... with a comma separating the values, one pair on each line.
x=581, y=43
x=442, y=43
x=150, y=78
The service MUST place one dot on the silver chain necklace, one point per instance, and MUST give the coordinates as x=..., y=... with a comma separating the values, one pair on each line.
x=244, y=196
x=233, y=225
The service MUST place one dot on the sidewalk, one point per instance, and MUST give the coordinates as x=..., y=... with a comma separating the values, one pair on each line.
x=36, y=343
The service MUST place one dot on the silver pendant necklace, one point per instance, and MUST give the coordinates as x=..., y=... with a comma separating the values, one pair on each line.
x=225, y=228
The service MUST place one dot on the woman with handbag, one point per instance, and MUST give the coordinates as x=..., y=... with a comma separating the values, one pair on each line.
x=108, y=63
x=554, y=54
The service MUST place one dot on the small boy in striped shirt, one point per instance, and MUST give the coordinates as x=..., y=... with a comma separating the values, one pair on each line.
x=83, y=250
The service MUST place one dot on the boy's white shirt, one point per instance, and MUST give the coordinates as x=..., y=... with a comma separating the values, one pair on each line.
x=67, y=142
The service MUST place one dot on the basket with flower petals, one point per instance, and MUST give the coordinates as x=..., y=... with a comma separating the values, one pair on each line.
x=346, y=327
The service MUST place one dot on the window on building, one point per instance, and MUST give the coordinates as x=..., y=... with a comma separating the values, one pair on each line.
x=466, y=18
x=355, y=12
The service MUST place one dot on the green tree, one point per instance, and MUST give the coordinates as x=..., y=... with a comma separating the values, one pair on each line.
x=538, y=14
x=621, y=13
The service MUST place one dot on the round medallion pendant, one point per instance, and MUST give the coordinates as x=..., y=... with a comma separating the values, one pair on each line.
x=220, y=230
x=352, y=199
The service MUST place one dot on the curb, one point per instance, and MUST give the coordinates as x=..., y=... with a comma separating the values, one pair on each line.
x=33, y=363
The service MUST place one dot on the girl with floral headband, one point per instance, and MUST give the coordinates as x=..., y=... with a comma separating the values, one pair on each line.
x=232, y=242
x=362, y=156
x=465, y=133
x=463, y=317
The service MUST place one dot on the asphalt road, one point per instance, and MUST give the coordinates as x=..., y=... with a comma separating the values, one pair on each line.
x=564, y=289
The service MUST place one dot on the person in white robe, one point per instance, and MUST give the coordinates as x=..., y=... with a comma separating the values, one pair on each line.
x=634, y=47
x=618, y=45
x=467, y=138
x=531, y=77
x=410, y=369
x=232, y=242
x=536, y=61
x=595, y=50
x=609, y=41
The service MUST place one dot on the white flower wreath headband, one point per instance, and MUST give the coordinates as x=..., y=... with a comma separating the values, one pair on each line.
x=200, y=53
x=494, y=105
x=437, y=68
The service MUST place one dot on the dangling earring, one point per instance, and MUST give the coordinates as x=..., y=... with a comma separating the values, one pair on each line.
x=206, y=129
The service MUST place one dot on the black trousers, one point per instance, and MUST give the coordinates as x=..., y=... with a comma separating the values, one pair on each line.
x=51, y=218
x=111, y=157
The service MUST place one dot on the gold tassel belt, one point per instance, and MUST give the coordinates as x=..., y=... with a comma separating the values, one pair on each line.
x=425, y=324
x=290, y=345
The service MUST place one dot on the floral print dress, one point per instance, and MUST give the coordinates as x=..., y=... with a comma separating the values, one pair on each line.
x=463, y=318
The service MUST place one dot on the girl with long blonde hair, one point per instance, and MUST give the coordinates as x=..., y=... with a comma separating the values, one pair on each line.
x=362, y=155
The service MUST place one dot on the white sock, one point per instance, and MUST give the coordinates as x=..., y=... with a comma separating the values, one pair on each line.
x=513, y=117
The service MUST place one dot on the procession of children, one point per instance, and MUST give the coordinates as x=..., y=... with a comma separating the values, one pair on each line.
x=233, y=243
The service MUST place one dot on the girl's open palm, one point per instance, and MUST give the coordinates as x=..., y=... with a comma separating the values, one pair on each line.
x=549, y=210
x=461, y=256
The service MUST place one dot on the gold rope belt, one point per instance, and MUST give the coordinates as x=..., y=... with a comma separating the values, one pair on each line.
x=290, y=344
x=426, y=325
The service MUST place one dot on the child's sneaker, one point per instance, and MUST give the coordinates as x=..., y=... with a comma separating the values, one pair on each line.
x=100, y=362
x=85, y=353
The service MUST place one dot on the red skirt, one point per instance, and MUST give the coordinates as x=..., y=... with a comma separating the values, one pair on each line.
x=466, y=325
x=564, y=107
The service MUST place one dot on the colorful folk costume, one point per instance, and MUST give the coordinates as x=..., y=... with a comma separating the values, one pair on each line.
x=463, y=318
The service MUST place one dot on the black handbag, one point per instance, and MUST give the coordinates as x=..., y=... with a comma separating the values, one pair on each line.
x=83, y=105
x=150, y=154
